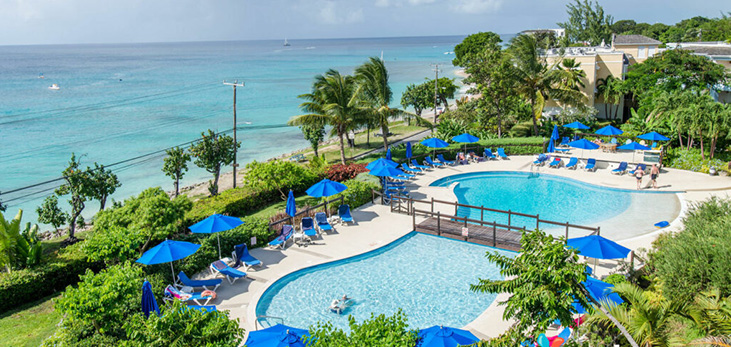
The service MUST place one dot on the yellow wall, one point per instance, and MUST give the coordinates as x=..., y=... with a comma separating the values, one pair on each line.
x=637, y=53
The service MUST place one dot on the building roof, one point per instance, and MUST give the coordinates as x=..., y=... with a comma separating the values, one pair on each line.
x=634, y=40
x=709, y=50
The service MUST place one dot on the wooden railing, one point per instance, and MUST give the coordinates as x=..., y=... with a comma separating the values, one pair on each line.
x=405, y=205
x=307, y=212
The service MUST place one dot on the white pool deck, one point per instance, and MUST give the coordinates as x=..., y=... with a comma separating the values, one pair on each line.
x=377, y=226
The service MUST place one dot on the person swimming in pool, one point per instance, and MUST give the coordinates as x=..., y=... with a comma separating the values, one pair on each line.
x=339, y=305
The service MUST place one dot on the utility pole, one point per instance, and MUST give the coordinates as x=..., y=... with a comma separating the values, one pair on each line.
x=436, y=95
x=234, y=84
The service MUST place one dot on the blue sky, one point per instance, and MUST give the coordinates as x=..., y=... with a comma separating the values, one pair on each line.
x=108, y=21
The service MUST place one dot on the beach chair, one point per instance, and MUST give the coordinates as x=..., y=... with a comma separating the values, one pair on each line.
x=344, y=213
x=488, y=154
x=307, y=226
x=564, y=141
x=284, y=236
x=205, y=284
x=542, y=158
x=556, y=163
x=654, y=145
x=409, y=169
x=172, y=293
x=321, y=222
x=614, y=141
x=241, y=257
x=407, y=175
x=419, y=166
x=501, y=153
x=641, y=167
x=441, y=159
x=621, y=169
x=231, y=274
x=428, y=161
x=590, y=165
x=573, y=163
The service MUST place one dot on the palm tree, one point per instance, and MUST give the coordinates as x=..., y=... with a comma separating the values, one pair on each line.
x=537, y=81
x=333, y=102
x=375, y=94
x=610, y=89
x=647, y=318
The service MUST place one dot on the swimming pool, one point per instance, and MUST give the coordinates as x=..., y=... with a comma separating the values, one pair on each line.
x=427, y=276
x=620, y=213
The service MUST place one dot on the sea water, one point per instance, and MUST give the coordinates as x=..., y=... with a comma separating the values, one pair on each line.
x=121, y=101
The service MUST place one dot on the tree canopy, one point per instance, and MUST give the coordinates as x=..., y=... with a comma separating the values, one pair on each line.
x=474, y=44
x=175, y=165
x=213, y=151
x=587, y=23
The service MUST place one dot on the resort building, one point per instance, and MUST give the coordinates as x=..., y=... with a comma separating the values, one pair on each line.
x=717, y=51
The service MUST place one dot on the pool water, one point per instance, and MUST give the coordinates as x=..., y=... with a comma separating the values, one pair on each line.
x=427, y=276
x=559, y=199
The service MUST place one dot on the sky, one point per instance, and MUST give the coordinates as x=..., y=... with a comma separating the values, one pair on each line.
x=121, y=21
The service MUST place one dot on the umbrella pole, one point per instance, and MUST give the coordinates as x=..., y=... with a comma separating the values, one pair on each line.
x=173, y=271
x=219, y=245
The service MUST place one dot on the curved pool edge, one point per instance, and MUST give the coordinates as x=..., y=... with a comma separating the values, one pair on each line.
x=252, y=306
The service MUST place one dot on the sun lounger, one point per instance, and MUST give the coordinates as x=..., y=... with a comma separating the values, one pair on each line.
x=488, y=154
x=542, y=158
x=641, y=167
x=307, y=226
x=428, y=161
x=284, y=236
x=407, y=175
x=344, y=213
x=231, y=274
x=573, y=163
x=654, y=145
x=621, y=169
x=501, y=153
x=241, y=257
x=564, y=141
x=445, y=161
x=590, y=165
x=409, y=169
x=556, y=163
x=205, y=284
x=321, y=222
x=419, y=166
x=172, y=293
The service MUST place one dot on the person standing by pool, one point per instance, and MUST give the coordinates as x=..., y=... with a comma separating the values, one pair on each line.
x=638, y=174
x=653, y=175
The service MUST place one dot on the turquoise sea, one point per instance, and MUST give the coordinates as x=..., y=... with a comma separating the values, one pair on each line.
x=121, y=101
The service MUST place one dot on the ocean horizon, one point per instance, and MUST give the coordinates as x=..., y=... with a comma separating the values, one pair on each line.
x=116, y=102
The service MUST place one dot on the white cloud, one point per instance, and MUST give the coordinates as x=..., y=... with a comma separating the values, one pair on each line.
x=331, y=13
x=421, y=2
x=476, y=6
x=382, y=3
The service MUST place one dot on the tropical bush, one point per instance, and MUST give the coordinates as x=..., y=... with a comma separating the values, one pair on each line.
x=278, y=175
x=696, y=259
x=340, y=172
x=232, y=202
x=358, y=193
x=381, y=330
x=692, y=160
x=20, y=247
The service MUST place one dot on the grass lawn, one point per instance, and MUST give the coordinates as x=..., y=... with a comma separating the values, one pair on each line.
x=275, y=208
x=30, y=324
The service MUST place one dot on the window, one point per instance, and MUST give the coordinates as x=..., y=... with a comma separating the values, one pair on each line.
x=641, y=53
x=650, y=51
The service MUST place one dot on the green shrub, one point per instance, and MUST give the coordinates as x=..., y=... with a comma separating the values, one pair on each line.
x=615, y=279
x=180, y=326
x=278, y=175
x=58, y=271
x=358, y=193
x=512, y=146
x=696, y=258
x=381, y=330
x=691, y=160
x=366, y=177
x=232, y=202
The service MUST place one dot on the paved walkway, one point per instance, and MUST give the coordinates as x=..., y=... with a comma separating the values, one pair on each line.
x=377, y=226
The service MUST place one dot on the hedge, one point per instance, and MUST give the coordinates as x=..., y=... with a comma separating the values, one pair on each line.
x=59, y=271
x=512, y=146
x=232, y=202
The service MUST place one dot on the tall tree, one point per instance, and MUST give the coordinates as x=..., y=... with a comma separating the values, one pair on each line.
x=314, y=133
x=105, y=183
x=175, y=165
x=474, y=44
x=612, y=92
x=80, y=185
x=418, y=96
x=537, y=81
x=50, y=213
x=376, y=95
x=587, y=22
x=213, y=151
x=333, y=101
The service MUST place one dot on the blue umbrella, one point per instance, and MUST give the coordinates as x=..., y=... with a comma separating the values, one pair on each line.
x=609, y=131
x=386, y=171
x=291, y=209
x=326, y=187
x=279, y=335
x=554, y=134
x=408, y=150
x=465, y=138
x=379, y=162
x=388, y=154
x=551, y=142
x=595, y=246
x=168, y=251
x=633, y=146
x=215, y=223
x=576, y=125
x=653, y=136
x=440, y=336
x=601, y=291
x=434, y=143
x=583, y=144
x=149, y=303
x=551, y=147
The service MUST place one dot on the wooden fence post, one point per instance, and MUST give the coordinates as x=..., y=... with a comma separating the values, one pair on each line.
x=413, y=219
x=538, y=221
x=439, y=219
x=432, y=204
x=567, y=232
x=494, y=234
x=455, y=207
x=510, y=216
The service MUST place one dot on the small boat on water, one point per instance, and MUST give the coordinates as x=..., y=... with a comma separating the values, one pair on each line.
x=286, y=43
x=54, y=87
x=41, y=76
